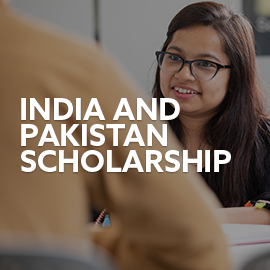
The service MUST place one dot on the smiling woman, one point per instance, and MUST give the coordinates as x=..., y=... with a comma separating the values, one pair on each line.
x=208, y=65
x=200, y=76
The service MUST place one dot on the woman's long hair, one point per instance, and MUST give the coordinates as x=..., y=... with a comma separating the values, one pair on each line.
x=240, y=122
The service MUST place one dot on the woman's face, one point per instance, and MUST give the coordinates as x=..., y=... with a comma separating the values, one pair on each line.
x=197, y=42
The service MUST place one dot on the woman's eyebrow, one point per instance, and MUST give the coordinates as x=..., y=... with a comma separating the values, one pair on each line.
x=209, y=55
x=201, y=55
x=175, y=48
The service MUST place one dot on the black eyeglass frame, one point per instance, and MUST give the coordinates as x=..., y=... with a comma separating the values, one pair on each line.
x=219, y=66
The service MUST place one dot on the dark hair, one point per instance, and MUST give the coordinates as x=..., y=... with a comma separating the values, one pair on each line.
x=240, y=122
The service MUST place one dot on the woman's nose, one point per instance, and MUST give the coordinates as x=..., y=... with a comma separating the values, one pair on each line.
x=185, y=73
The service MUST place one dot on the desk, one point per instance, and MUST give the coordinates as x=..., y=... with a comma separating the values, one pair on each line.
x=243, y=254
x=249, y=241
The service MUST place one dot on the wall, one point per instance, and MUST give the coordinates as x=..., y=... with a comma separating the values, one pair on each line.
x=73, y=15
x=131, y=30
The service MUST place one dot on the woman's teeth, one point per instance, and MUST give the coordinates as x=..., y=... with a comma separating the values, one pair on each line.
x=184, y=91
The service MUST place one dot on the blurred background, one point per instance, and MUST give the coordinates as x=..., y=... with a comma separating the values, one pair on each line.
x=132, y=30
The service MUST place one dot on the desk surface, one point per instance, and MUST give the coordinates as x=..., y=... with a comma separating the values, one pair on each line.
x=243, y=254
x=241, y=234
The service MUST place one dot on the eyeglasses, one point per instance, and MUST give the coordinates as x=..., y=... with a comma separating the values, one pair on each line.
x=202, y=70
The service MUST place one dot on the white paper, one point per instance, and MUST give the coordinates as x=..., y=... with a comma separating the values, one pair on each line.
x=246, y=234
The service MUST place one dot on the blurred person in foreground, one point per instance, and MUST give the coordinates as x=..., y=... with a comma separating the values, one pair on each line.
x=38, y=63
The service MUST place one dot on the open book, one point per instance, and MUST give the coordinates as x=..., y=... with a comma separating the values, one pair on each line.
x=246, y=234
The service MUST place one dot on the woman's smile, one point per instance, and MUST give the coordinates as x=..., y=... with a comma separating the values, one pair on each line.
x=184, y=92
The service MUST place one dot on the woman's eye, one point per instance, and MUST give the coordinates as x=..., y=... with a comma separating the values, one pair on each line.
x=174, y=57
x=205, y=64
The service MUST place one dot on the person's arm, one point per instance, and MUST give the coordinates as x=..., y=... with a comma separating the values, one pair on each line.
x=245, y=215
